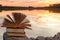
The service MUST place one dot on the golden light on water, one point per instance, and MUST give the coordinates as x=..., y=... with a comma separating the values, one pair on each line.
x=50, y=19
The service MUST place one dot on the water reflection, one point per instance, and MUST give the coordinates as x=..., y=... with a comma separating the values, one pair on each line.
x=57, y=10
x=44, y=22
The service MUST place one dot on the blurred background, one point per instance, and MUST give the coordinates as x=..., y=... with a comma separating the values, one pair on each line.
x=44, y=22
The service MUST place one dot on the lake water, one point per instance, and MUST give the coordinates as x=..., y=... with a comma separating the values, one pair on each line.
x=44, y=22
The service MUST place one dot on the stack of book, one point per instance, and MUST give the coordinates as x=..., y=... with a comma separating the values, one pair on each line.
x=16, y=26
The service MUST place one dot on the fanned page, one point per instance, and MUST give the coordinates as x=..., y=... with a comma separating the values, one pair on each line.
x=29, y=19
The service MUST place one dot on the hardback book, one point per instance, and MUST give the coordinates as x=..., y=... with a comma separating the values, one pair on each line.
x=11, y=30
x=16, y=34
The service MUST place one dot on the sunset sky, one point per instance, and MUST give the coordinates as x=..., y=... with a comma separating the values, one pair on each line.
x=39, y=1
x=43, y=22
x=29, y=2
